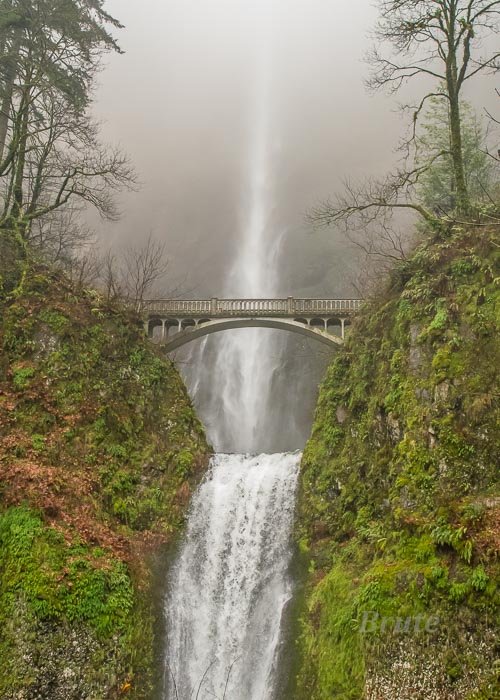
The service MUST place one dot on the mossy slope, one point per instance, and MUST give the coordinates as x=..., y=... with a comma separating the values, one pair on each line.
x=99, y=449
x=399, y=507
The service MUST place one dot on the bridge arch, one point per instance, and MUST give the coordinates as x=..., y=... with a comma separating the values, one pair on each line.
x=193, y=332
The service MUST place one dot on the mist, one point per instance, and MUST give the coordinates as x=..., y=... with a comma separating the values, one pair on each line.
x=179, y=101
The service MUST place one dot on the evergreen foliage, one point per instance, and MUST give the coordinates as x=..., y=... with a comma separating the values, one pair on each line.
x=436, y=188
x=51, y=158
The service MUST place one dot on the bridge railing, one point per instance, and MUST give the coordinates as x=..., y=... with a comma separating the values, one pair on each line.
x=233, y=307
x=237, y=306
x=308, y=306
x=177, y=306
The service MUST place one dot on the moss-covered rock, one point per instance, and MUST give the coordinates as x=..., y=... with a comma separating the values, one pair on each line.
x=99, y=450
x=399, y=506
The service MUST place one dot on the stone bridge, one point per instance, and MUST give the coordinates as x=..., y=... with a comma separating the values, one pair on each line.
x=175, y=322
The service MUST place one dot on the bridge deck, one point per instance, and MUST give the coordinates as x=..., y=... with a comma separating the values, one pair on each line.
x=222, y=308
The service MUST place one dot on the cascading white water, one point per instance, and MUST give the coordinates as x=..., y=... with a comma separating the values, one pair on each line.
x=229, y=585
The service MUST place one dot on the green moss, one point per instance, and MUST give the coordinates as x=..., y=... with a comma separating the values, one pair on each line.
x=396, y=509
x=99, y=447
x=54, y=320
x=21, y=377
x=38, y=442
x=331, y=642
x=57, y=581
x=184, y=462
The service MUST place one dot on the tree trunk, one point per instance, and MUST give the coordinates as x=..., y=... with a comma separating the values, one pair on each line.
x=462, y=194
x=12, y=260
x=19, y=223
x=453, y=90
x=4, y=115
x=7, y=92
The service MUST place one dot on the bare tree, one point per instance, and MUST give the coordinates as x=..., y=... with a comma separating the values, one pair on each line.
x=377, y=250
x=144, y=266
x=110, y=277
x=494, y=120
x=86, y=268
x=440, y=40
x=443, y=40
x=59, y=161
x=61, y=237
x=387, y=244
x=361, y=204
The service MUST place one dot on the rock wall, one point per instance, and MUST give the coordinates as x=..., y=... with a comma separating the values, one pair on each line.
x=400, y=508
x=99, y=450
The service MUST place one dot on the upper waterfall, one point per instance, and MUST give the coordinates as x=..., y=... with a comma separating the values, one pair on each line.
x=235, y=378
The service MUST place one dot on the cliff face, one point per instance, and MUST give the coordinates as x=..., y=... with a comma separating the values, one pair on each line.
x=99, y=450
x=399, y=508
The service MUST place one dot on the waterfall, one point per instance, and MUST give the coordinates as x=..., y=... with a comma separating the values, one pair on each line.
x=230, y=585
x=245, y=359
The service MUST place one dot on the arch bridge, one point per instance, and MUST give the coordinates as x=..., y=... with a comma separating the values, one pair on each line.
x=175, y=322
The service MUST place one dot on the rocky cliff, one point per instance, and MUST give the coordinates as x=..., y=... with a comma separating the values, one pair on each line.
x=99, y=450
x=399, y=515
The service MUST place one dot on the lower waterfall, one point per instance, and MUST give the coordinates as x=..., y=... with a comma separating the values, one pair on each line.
x=230, y=585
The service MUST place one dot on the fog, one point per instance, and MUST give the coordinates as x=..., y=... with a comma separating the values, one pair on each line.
x=182, y=102
x=179, y=101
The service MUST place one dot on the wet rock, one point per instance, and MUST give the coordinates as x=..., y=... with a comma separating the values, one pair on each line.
x=441, y=392
x=404, y=498
x=415, y=356
x=443, y=468
x=432, y=436
x=341, y=414
x=423, y=395
x=393, y=427
x=46, y=342
x=60, y=663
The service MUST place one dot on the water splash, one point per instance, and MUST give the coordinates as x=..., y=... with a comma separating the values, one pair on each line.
x=230, y=584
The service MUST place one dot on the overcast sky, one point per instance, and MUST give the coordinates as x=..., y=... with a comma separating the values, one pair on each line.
x=180, y=102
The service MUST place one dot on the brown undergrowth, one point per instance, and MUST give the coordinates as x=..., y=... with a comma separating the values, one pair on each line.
x=99, y=450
